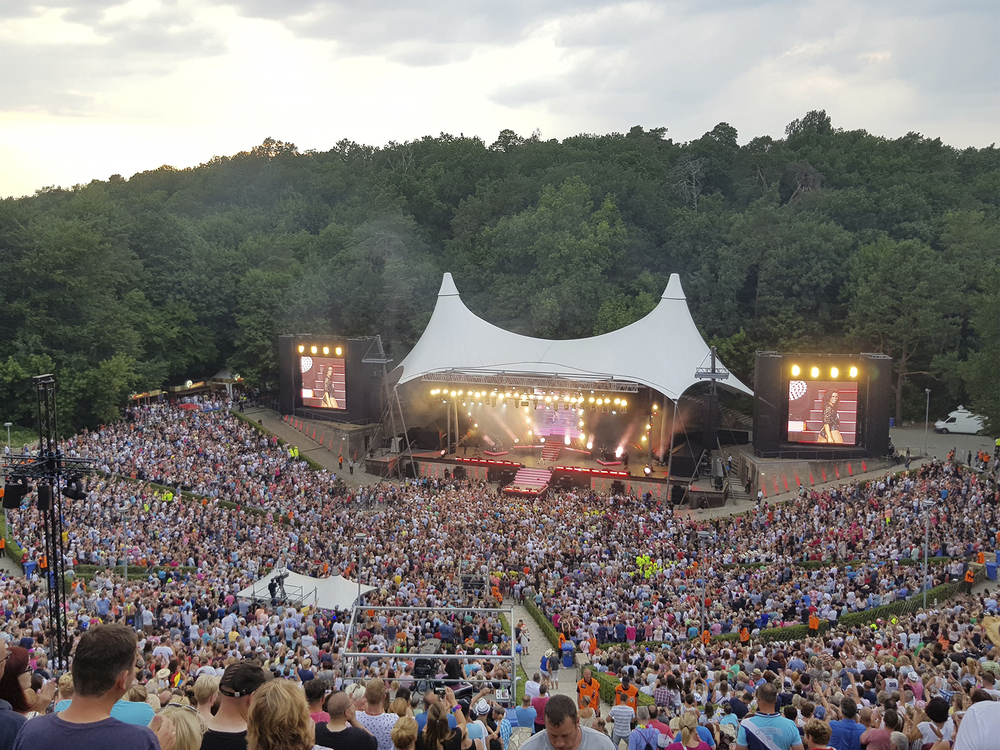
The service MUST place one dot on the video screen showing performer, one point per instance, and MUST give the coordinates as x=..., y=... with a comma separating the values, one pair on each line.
x=324, y=382
x=822, y=412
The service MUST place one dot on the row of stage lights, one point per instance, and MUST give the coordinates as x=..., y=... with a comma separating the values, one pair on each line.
x=338, y=351
x=815, y=372
x=524, y=399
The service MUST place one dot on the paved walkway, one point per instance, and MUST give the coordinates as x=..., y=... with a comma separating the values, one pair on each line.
x=274, y=423
x=539, y=645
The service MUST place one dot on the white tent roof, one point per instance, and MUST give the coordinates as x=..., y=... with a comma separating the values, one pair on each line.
x=661, y=350
x=335, y=592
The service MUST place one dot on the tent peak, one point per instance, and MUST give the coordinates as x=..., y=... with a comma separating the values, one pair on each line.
x=448, y=288
x=674, y=290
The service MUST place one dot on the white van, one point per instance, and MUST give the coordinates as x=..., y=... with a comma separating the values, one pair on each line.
x=962, y=421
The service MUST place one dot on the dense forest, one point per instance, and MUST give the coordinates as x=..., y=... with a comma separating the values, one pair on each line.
x=826, y=240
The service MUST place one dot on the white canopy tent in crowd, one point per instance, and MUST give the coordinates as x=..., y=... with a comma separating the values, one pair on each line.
x=662, y=351
x=335, y=592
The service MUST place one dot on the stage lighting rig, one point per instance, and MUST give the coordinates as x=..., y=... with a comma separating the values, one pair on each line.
x=48, y=470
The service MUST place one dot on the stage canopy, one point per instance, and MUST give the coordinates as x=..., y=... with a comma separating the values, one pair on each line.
x=335, y=592
x=662, y=351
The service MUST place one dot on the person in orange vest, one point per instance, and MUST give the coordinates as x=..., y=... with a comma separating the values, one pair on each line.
x=744, y=635
x=588, y=691
x=980, y=558
x=970, y=578
x=627, y=694
x=706, y=636
x=813, y=624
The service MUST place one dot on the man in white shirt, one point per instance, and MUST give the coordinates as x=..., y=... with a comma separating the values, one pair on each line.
x=532, y=686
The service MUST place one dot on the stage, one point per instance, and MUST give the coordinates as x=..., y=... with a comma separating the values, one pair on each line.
x=567, y=469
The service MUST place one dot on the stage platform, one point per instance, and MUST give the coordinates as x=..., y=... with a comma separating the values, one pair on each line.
x=566, y=468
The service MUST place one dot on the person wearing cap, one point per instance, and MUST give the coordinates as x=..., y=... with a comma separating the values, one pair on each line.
x=343, y=731
x=228, y=728
x=477, y=729
x=103, y=671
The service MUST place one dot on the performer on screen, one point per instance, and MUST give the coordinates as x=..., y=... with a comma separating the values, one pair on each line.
x=831, y=419
x=328, y=399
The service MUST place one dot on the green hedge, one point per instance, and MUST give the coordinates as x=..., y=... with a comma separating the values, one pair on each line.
x=543, y=622
x=11, y=547
x=135, y=573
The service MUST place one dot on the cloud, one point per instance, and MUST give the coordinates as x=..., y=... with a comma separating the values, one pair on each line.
x=64, y=61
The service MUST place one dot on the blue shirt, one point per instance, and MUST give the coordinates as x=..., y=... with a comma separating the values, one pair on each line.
x=525, y=716
x=422, y=721
x=128, y=711
x=641, y=736
x=779, y=731
x=706, y=736
x=846, y=734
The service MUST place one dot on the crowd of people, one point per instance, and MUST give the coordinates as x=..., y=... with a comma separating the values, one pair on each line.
x=639, y=589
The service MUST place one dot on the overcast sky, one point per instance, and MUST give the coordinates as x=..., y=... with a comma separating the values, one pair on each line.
x=92, y=88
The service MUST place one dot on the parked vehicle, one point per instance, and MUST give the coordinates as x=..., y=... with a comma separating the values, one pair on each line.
x=961, y=421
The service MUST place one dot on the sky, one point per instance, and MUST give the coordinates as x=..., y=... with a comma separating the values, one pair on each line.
x=94, y=88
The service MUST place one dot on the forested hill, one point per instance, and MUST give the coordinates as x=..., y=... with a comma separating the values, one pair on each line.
x=827, y=240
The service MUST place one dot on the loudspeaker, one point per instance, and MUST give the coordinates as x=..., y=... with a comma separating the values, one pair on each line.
x=13, y=493
x=44, y=496
x=877, y=403
x=769, y=401
x=287, y=363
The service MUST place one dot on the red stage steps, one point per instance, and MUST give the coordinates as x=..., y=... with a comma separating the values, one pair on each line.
x=529, y=482
x=550, y=451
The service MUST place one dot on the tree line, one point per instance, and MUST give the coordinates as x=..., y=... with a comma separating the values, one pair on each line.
x=824, y=241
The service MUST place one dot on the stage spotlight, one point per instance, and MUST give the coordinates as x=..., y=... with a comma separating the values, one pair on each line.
x=648, y=425
x=581, y=423
x=618, y=400
x=302, y=349
x=618, y=451
x=516, y=441
x=541, y=440
x=442, y=454
x=655, y=406
x=854, y=372
x=476, y=425
x=326, y=350
x=531, y=433
x=647, y=470
x=795, y=371
x=590, y=446
x=834, y=372
x=566, y=440
x=313, y=349
x=814, y=372
x=644, y=438
x=338, y=351
x=74, y=489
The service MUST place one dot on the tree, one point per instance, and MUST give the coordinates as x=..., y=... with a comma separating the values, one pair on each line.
x=902, y=297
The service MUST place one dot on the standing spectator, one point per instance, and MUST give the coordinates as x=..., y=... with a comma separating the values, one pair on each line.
x=622, y=716
x=279, y=718
x=524, y=713
x=315, y=691
x=817, y=735
x=539, y=705
x=404, y=734
x=375, y=719
x=10, y=721
x=228, y=728
x=643, y=735
x=846, y=733
x=103, y=670
x=563, y=730
x=343, y=731
x=766, y=729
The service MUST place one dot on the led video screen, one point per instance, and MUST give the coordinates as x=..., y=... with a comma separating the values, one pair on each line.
x=324, y=382
x=822, y=412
